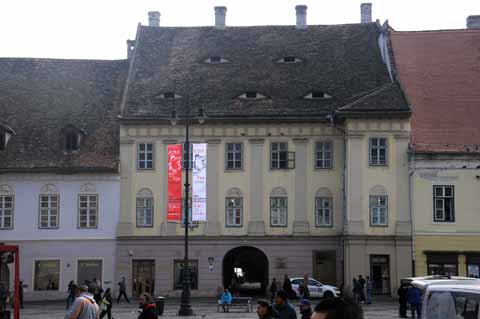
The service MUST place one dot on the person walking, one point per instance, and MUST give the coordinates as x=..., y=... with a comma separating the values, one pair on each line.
x=97, y=291
x=402, y=300
x=362, y=283
x=305, y=309
x=369, y=288
x=106, y=304
x=20, y=294
x=148, y=309
x=414, y=298
x=3, y=297
x=282, y=307
x=123, y=290
x=226, y=299
x=273, y=289
x=71, y=290
x=84, y=306
x=356, y=290
x=264, y=310
x=287, y=287
x=303, y=288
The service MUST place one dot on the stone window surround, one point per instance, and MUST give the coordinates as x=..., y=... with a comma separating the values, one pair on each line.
x=88, y=210
x=3, y=198
x=144, y=195
x=146, y=152
x=444, y=198
x=49, y=210
x=324, y=142
x=376, y=161
x=241, y=155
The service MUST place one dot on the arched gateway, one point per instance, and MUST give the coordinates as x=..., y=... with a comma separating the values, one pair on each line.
x=249, y=266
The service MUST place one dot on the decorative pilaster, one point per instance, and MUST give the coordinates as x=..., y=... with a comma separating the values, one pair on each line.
x=256, y=226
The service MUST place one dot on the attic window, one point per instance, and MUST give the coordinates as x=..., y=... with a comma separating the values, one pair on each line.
x=317, y=95
x=216, y=60
x=252, y=95
x=6, y=133
x=3, y=141
x=72, y=141
x=289, y=59
x=170, y=96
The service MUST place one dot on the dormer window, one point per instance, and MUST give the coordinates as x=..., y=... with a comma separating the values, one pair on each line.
x=6, y=133
x=3, y=141
x=169, y=96
x=216, y=60
x=252, y=95
x=317, y=95
x=73, y=138
x=289, y=59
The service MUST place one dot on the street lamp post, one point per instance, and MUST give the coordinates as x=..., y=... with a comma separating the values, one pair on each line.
x=185, y=307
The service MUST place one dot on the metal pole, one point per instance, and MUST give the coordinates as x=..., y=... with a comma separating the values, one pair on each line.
x=16, y=309
x=185, y=307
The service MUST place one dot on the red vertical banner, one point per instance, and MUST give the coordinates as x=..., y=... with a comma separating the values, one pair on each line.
x=174, y=205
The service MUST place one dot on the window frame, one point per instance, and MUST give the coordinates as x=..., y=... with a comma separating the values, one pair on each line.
x=371, y=147
x=316, y=159
x=227, y=199
x=234, y=158
x=435, y=198
x=279, y=217
x=96, y=210
x=144, y=207
x=145, y=152
x=323, y=225
x=40, y=260
x=378, y=224
x=49, y=208
x=289, y=157
x=2, y=210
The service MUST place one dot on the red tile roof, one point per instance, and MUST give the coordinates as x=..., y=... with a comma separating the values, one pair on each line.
x=440, y=74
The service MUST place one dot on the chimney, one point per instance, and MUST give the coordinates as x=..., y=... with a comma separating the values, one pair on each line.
x=153, y=19
x=220, y=15
x=473, y=22
x=301, y=16
x=366, y=12
x=130, y=48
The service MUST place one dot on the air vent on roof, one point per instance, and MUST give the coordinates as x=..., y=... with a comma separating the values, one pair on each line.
x=317, y=95
x=169, y=96
x=289, y=59
x=252, y=95
x=216, y=59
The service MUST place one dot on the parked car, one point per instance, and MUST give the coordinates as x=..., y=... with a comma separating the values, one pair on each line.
x=452, y=301
x=316, y=288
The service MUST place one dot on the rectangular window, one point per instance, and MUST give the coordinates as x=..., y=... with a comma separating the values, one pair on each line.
x=442, y=264
x=47, y=274
x=178, y=270
x=88, y=269
x=234, y=155
x=280, y=157
x=6, y=212
x=145, y=155
x=378, y=211
x=278, y=211
x=48, y=211
x=87, y=211
x=323, y=211
x=323, y=155
x=444, y=208
x=378, y=151
x=184, y=156
x=234, y=214
x=144, y=212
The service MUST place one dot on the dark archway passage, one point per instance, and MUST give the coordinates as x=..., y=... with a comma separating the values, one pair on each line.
x=246, y=269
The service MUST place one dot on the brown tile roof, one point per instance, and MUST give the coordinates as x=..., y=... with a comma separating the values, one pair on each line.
x=440, y=73
x=343, y=61
x=40, y=97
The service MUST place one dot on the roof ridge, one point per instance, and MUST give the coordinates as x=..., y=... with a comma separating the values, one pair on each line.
x=367, y=94
x=260, y=26
x=438, y=31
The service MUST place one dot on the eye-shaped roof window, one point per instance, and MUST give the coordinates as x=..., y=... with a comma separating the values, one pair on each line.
x=289, y=59
x=317, y=95
x=169, y=96
x=216, y=60
x=251, y=95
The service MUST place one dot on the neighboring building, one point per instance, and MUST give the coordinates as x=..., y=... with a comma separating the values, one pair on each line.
x=439, y=71
x=277, y=100
x=59, y=178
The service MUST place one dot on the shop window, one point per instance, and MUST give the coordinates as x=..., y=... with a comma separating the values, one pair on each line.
x=178, y=270
x=442, y=264
x=89, y=270
x=47, y=274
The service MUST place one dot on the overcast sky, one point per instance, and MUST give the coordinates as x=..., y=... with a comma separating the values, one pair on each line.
x=98, y=29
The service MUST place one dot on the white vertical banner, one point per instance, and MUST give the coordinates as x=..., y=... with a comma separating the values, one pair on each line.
x=199, y=182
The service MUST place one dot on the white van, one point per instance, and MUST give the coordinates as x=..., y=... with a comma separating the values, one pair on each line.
x=452, y=301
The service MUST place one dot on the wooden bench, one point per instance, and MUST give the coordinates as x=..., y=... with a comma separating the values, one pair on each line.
x=237, y=302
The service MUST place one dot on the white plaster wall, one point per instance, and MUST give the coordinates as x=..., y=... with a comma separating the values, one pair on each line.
x=27, y=188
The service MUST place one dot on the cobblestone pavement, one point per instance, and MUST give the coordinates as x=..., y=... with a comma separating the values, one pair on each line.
x=203, y=308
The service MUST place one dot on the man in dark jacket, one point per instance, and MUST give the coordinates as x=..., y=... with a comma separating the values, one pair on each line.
x=284, y=309
x=402, y=300
x=414, y=298
x=147, y=307
x=337, y=308
x=264, y=310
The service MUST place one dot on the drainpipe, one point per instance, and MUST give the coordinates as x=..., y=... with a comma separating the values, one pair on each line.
x=410, y=204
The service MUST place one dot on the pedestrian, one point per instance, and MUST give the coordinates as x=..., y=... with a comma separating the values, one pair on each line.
x=282, y=307
x=84, y=306
x=414, y=298
x=337, y=308
x=20, y=293
x=264, y=310
x=362, y=283
x=369, y=287
x=402, y=300
x=97, y=290
x=305, y=309
x=273, y=289
x=123, y=290
x=148, y=309
x=303, y=288
x=287, y=287
x=356, y=290
x=3, y=297
x=71, y=290
x=106, y=304
x=226, y=299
